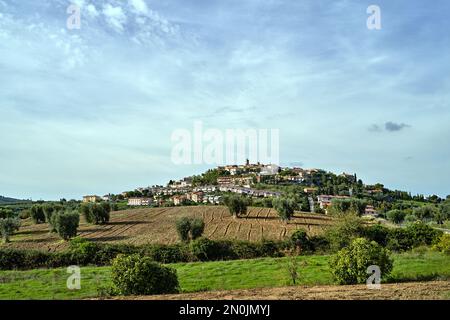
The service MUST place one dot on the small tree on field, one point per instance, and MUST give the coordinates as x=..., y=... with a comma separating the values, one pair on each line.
x=349, y=265
x=66, y=223
x=197, y=228
x=236, y=205
x=6, y=213
x=190, y=228
x=7, y=227
x=37, y=214
x=183, y=226
x=285, y=208
x=396, y=216
x=300, y=241
x=425, y=212
x=96, y=213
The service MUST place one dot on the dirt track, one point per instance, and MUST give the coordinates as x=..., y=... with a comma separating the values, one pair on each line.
x=140, y=226
x=435, y=290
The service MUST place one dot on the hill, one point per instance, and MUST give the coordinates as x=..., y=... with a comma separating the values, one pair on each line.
x=157, y=225
x=6, y=200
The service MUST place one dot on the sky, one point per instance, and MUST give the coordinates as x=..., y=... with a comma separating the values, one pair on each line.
x=92, y=110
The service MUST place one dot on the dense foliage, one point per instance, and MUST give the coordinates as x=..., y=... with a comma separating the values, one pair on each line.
x=7, y=227
x=140, y=275
x=349, y=265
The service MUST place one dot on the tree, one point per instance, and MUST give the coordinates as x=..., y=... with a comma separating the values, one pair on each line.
x=7, y=227
x=96, y=213
x=197, y=228
x=66, y=223
x=425, y=212
x=444, y=212
x=236, y=205
x=37, y=214
x=344, y=206
x=183, y=226
x=396, y=216
x=349, y=265
x=284, y=207
x=140, y=275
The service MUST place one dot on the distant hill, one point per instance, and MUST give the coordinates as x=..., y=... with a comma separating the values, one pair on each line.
x=5, y=200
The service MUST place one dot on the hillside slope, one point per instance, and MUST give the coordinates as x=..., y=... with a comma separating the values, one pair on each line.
x=157, y=225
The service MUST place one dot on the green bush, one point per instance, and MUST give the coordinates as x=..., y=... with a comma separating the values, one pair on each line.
x=443, y=244
x=300, y=241
x=7, y=227
x=204, y=249
x=37, y=214
x=349, y=265
x=139, y=275
x=6, y=213
x=396, y=216
x=345, y=228
x=422, y=234
x=66, y=224
x=167, y=253
x=376, y=233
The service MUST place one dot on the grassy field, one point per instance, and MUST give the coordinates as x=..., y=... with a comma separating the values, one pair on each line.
x=220, y=275
x=157, y=225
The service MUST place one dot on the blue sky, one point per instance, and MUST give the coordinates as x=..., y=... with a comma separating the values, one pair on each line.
x=92, y=111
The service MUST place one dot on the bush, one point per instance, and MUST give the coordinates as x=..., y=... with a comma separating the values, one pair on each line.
x=66, y=224
x=167, y=253
x=425, y=213
x=443, y=244
x=376, y=233
x=37, y=214
x=349, y=265
x=6, y=213
x=345, y=206
x=204, y=249
x=7, y=227
x=346, y=228
x=138, y=275
x=300, y=241
x=414, y=235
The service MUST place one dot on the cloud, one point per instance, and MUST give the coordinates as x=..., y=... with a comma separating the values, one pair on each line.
x=392, y=126
x=115, y=16
x=139, y=6
x=388, y=126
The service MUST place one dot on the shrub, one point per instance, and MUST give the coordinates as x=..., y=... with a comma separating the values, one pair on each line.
x=66, y=224
x=7, y=227
x=197, y=228
x=6, y=213
x=319, y=244
x=284, y=207
x=183, y=226
x=399, y=240
x=349, y=265
x=138, y=275
x=344, y=206
x=37, y=214
x=167, y=253
x=300, y=241
x=443, y=244
x=376, y=233
x=346, y=228
x=422, y=234
x=204, y=249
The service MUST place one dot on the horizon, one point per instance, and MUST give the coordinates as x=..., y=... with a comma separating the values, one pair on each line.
x=92, y=110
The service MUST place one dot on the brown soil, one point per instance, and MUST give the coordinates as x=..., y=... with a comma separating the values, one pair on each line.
x=157, y=225
x=435, y=290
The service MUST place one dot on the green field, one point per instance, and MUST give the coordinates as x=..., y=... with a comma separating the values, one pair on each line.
x=220, y=275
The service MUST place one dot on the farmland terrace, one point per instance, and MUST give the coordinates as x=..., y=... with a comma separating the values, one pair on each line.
x=157, y=225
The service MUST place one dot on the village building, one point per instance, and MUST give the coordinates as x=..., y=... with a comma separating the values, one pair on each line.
x=139, y=201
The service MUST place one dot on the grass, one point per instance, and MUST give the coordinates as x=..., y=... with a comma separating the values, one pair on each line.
x=219, y=275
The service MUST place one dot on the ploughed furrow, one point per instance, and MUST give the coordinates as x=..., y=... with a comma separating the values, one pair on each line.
x=267, y=214
x=227, y=227
x=214, y=231
x=249, y=232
